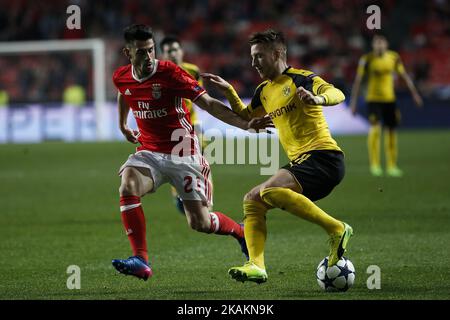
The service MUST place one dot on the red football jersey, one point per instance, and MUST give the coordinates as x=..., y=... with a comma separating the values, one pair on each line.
x=158, y=106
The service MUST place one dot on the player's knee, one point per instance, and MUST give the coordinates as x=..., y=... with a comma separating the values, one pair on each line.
x=264, y=193
x=129, y=186
x=252, y=195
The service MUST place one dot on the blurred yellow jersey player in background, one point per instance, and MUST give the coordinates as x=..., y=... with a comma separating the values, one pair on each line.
x=293, y=99
x=171, y=50
x=380, y=66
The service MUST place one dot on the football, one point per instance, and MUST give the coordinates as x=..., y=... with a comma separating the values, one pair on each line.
x=339, y=277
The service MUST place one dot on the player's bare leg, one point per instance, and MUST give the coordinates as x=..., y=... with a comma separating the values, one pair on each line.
x=200, y=218
x=175, y=196
x=197, y=215
x=136, y=182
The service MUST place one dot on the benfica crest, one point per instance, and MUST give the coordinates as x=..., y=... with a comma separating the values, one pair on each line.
x=156, y=90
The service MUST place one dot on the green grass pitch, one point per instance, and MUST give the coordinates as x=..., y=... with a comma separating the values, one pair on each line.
x=59, y=207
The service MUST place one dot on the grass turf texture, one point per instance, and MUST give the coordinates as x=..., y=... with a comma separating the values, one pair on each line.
x=59, y=207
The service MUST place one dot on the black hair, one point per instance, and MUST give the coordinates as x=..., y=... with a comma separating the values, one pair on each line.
x=168, y=40
x=137, y=32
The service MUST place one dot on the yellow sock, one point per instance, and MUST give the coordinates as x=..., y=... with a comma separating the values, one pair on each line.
x=373, y=145
x=390, y=143
x=301, y=206
x=255, y=230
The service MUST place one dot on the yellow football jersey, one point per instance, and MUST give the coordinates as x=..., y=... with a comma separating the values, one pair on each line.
x=301, y=127
x=380, y=73
x=194, y=71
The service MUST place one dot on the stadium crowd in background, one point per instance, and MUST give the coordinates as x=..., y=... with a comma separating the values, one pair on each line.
x=327, y=38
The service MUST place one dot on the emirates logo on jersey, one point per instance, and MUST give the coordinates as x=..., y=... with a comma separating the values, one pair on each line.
x=156, y=90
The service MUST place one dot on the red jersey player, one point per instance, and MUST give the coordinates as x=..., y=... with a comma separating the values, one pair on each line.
x=168, y=151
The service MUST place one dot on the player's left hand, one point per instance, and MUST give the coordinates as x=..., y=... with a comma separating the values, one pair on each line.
x=131, y=135
x=418, y=100
x=260, y=124
x=308, y=97
x=217, y=80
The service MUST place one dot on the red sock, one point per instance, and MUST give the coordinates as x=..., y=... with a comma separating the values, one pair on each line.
x=221, y=224
x=134, y=222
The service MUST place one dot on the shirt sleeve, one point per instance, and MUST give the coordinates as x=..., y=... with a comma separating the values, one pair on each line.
x=236, y=103
x=185, y=86
x=331, y=94
x=254, y=109
x=114, y=80
x=399, y=67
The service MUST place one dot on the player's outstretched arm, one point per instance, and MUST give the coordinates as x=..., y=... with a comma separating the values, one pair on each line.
x=412, y=88
x=219, y=110
x=360, y=72
x=124, y=109
x=322, y=93
x=227, y=89
x=355, y=92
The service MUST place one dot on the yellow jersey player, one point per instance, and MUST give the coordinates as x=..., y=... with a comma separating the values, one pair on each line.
x=171, y=50
x=293, y=99
x=379, y=66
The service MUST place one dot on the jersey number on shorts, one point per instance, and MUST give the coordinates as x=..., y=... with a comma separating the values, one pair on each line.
x=188, y=184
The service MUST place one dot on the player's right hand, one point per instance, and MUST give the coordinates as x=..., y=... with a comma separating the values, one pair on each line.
x=217, y=80
x=131, y=135
x=418, y=100
x=260, y=124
